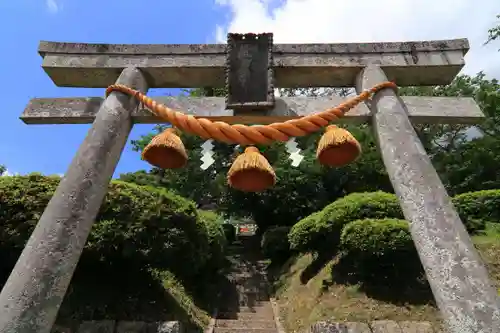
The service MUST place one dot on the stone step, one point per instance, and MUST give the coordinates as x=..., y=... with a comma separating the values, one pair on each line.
x=241, y=290
x=256, y=275
x=251, y=293
x=246, y=315
x=252, y=299
x=248, y=282
x=248, y=306
x=242, y=284
x=239, y=323
x=252, y=289
x=263, y=307
x=244, y=330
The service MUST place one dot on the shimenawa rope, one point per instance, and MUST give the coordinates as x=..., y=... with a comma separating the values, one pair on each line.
x=249, y=135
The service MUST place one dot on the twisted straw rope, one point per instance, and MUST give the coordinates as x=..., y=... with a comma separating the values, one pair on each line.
x=249, y=135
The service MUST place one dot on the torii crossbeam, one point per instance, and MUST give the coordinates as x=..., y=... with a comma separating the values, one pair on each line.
x=36, y=287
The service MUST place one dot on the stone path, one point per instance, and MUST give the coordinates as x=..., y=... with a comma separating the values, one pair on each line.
x=245, y=305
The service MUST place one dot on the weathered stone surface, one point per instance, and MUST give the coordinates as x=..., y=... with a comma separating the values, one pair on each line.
x=456, y=274
x=333, y=327
x=60, y=329
x=385, y=326
x=449, y=110
x=416, y=327
x=295, y=65
x=254, y=323
x=46, y=47
x=167, y=327
x=354, y=327
x=101, y=326
x=34, y=291
x=244, y=330
x=246, y=315
x=249, y=74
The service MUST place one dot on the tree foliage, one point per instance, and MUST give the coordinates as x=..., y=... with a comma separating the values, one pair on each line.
x=494, y=33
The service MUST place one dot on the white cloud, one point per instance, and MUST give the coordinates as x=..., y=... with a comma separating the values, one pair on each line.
x=52, y=5
x=334, y=21
x=8, y=173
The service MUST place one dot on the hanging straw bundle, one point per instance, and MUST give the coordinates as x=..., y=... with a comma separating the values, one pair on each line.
x=166, y=150
x=251, y=172
x=337, y=147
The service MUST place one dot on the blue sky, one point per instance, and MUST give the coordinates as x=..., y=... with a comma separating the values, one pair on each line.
x=50, y=148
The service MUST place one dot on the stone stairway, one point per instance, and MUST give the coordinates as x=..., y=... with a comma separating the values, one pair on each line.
x=245, y=306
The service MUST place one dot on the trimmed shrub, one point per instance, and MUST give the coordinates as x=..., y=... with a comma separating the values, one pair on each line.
x=136, y=224
x=22, y=202
x=380, y=249
x=376, y=237
x=478, y=208
x=307, y=232
x=275, y=244
x=320, y=231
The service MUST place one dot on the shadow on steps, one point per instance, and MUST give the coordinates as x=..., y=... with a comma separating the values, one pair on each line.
x=245, y=290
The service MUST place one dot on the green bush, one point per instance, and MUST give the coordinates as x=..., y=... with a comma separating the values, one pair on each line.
x=274, y=243
x=478, y=208
x=380, y=249
x=320, y=231
x=136, y=224
x=307, y=232
x=376, y=237
x=217, y=238
x=229, y=232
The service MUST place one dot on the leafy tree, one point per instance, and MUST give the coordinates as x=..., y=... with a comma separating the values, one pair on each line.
x=493, y=33
x=466, y=156
x=191, y=181
x=3, y=169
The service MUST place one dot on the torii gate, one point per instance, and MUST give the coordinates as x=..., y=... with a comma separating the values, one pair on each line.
x=31, y=298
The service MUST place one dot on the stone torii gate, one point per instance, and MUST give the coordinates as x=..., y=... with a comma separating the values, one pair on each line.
x=251, y=67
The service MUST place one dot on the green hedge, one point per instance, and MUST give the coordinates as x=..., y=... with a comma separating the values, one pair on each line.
x=320, y=231
x=151, y=227
x=274, y=243
x=478, y=208
x=376, y=237
x=380, y=249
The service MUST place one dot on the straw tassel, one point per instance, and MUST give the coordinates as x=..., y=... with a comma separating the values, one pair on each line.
x=251, y=172
x=337, y=147
x=166, y=151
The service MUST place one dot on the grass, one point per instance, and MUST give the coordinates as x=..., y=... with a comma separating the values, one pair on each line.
x=303, y=303
x=488, y=246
